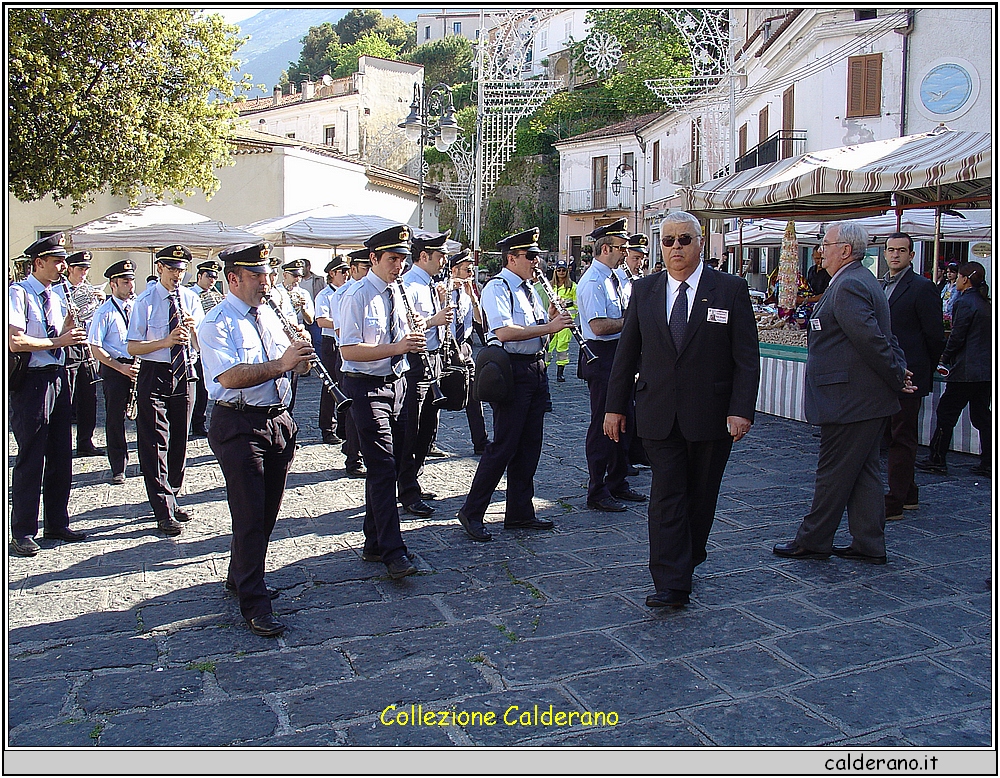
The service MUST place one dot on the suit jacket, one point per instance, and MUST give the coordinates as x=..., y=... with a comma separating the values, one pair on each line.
x=855, y=367
x=715, y=373
x=915, y=310
x=969, y=350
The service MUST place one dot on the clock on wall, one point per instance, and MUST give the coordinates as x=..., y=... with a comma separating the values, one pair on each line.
x=948, y=89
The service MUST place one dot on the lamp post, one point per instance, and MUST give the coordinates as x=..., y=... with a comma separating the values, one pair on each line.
x=430, y=120
x=616, y=187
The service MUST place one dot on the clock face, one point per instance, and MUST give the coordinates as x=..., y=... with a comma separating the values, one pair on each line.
x=946, y=88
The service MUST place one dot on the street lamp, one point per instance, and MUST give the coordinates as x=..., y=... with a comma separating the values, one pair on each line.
x=431, y=119
x=616, y=187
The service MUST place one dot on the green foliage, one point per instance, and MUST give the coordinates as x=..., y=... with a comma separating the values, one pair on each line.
x=370, y=44
x=448, y=60
x=321, y=53
x=359, y=23
x=136, y=101
x=499, y=222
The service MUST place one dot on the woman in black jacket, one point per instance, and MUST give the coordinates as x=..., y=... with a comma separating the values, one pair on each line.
x=966, y=366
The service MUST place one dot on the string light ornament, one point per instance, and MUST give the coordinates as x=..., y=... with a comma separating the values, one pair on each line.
x=602, y=51
x=460, y=191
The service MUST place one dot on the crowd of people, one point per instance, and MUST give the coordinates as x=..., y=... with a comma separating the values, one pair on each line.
x=671, y=362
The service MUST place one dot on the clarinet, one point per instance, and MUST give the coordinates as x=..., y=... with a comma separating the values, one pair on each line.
x=190, y=372
x=589, y=355
x=132, y=409
x=437, y=396
x=74, y=311
x=341, y=400
x=632, y=277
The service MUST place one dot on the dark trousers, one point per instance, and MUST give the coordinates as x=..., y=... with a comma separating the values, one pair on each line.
x=40, y=421
x=607, y=461
x=329, y=355
x=958, y=394
x=419, y=429
x=684, y=492
x=117, y=389
x=516, y=447
x=200, y=397
x=474, y=407
x=902, y=434
x=636, y=453
x=379, y=416
x=83, y=398
x=164, y=416
x=847, y=476
x=254, y=452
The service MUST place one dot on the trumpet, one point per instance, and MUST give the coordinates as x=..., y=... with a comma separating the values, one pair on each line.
x=79, y=317
x=191, y=374
x=438, y=399
x=132, y=409
x=589, y=355
x=341, y=400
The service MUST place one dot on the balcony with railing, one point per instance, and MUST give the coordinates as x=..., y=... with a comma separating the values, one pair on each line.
x=780, y=145
x=583, y=200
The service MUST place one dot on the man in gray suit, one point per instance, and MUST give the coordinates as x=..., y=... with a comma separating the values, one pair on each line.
x=853, y=373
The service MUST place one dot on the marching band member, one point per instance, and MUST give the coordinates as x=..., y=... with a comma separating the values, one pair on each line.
x=513, y=313
x=602, y=314
x=374, y=341
x=353, y=461
x=109, y=341
x=634, y=263
x=467, y=312
x=421, y=416
x=566, y=289
x=82, y=385
x=302, y=300
x=204, y=287
x=160, y=331
x=278, y=293
x=329, y=354
x=39, y=408
x=247, y=360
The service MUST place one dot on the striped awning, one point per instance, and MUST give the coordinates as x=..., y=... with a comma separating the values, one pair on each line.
x=939, y=167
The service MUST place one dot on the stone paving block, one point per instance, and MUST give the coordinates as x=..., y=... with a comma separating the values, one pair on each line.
x=70, y=733
x=949, y=624
x=910, y=586
x=210, y=725
x=740, y=587
x=538, y=660
x=852, y=602
x=971, y=661
x=556, y=618
x=965, y=730
x=281, y=671
x=308, y=627
x=138, y=689
x=344, y=567
x=613, y=579
x=433, y=582
x=501, y=703
x=84, y=654
x=330, y=595
x=743, y=671
x=545, y=563
x=84, y=625
x=196, y=613
x=824, y=573
x=36, y=702
x=867, y=699
x=312, y=738
x=971, y=577
x=343, y=702
x=630, y=554
x=739, y=724
x=789, y=614
x=378, y=735
x=490, y=601
x=693, y=629
x=659, y=732
x=579, y=539
x=196, y=645
x=942, y=550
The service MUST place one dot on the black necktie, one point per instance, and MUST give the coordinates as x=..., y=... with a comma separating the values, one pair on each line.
x=679, y=315
x=617, y=286
x=178, y=370
x=50, y=328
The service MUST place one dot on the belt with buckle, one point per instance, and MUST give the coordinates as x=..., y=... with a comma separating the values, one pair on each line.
x=374, y=379
x=526, y=357
x=270, y=410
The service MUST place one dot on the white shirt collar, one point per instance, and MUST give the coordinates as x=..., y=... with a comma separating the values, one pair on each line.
x=692, y=281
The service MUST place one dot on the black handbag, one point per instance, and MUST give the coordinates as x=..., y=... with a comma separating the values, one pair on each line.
x=454, y=383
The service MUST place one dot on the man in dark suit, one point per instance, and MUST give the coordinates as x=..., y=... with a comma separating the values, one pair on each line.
x=915, y=311
x=691, y=335
x=854, y=372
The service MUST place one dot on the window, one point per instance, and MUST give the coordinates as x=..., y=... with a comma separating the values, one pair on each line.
x=762, y=125
x=743, y=140
x=427, y=32
x=477, y=34
x=696, y=151
x=543, y=39
x=864, y=14
x=567, y=32
x=330, y=136
x=628, y=160
x=656, y=160
x=290, y=135
x=456, y=28
x=787, y=120
x=599, y=179
x=864, y=85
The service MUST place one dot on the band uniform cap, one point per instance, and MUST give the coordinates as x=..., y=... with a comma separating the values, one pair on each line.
x=337, y=263
x=521, y=241
x=123, y=269
x=296, y=267
x=561, y=263
x=465, y=255
x=617, y=229
x=395, y=239
x=79, y=259
x=51, y=244
x=638, y=242
x=250, y=256
x=174, y=256
x=431, y=241
x=211, y=266
x=360, y=256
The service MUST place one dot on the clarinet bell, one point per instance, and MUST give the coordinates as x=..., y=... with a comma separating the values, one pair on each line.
x=438, y=400
x=341, y=400
x=589, y=355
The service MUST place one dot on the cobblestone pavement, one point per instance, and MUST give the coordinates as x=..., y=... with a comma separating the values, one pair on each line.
x=129, y=639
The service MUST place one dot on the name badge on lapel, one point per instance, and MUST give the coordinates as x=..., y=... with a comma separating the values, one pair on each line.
x=718, y=315
x=814, y=324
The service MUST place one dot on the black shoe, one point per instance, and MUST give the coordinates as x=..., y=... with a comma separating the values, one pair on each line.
x=65, y=534
x=169, y=527
x=930, y=466
x=632, y=471
x=791, y=550
x=370, y=556
x=266, y=626
x=331, y=439
x=475, y=530
x=90, y=451
x=400, y=568
x=532, y=523
x=561, y=379
x=356, y=472
x=428, y=495
x=24, y=546
x=436, y=453
x=671, y=598
x=548, y=407
x=981, y=470
x=480, y=450
x=419, y=508
x=273, y=594
x=607, y=504
x=629, y=495
x=199, y=431
x=181, y=514
x=848, y=552
x=118, y=479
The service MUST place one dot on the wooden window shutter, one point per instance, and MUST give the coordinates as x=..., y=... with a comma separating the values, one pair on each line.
x=762, y=125
x=743, y=140
x=873, y=85
x=864, y=85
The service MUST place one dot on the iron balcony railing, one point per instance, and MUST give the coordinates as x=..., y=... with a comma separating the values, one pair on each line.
x=582, y=200
x=781, y=145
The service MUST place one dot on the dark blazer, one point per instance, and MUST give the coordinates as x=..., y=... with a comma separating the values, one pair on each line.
x=714, y=375
x=915, y=310
x=968, y=352
x=855, y=367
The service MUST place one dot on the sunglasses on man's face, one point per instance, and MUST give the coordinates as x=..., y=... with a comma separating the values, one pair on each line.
x=684, y=240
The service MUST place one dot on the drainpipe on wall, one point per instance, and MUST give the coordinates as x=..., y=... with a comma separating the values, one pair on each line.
x=905, y=32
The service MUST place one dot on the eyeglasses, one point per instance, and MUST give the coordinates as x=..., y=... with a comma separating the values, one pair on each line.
x=835, y=243
x=683, y=240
